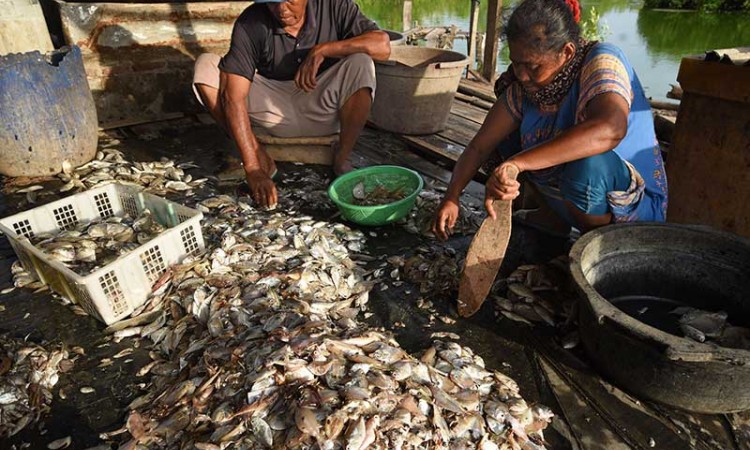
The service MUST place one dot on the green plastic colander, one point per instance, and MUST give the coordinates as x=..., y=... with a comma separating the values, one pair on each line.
x=389, y=177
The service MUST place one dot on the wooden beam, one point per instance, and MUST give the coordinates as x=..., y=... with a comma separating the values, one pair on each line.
x=657, y=104
x=480, y=90
x=437, y=148
x=406, y=17
x=468, y=111
x=297, y=153
x=471, y=45
x=491, y=42
x=139, y=121
x=305, y=154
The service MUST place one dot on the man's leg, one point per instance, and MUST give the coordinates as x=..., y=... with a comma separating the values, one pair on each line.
x=357, y=93
x=340, y=103
x=206, y=81
x=353, y=117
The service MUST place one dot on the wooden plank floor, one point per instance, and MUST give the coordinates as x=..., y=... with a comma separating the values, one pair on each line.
x=468, y=111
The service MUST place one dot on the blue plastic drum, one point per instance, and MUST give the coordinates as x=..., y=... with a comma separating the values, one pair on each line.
x=47, y=113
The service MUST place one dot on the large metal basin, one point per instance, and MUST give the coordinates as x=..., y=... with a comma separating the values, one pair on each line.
x=415, y=89
x=697, y=266
x=397, y=38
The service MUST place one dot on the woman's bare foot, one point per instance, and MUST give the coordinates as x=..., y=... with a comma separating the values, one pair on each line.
x=543, y=219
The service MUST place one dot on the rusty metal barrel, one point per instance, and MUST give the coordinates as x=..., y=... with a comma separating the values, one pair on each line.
x=46, y=111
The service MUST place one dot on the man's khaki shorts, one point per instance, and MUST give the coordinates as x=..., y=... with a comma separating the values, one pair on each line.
x=287, y=111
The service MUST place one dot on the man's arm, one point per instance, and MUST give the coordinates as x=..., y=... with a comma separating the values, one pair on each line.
x=233, y=95
x=376, y=44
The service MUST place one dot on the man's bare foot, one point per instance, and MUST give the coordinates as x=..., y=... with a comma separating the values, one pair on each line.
x=341, y=165
x=342, y=168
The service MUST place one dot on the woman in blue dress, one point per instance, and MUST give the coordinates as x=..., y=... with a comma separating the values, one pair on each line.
x=587, y=140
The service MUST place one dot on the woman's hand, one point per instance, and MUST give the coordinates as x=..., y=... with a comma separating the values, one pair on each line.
x=502, y=185
x=445, y=218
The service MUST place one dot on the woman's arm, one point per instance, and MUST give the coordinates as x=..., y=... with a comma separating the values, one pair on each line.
x=605, y=126
x=498, y=125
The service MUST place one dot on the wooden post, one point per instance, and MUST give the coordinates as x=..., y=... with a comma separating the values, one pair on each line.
x=491, y=41
x=406, y=18
x=471, y=44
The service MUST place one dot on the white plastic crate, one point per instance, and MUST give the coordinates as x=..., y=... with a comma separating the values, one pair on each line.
x=111, y=292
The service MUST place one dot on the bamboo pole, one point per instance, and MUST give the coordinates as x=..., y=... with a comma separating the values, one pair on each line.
x=491, y=42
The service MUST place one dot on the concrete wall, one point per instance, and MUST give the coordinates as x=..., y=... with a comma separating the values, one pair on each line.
x=139, y=57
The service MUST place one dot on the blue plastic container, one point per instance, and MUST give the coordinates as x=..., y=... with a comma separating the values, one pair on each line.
x=47, y=113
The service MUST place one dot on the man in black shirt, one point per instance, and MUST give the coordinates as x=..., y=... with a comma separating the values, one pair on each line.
x=297, y=68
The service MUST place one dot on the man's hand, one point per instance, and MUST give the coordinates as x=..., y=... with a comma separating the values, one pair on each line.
x=262, y=188
x=307, y=74
x=259, y=167
x=502, y=185
x=445, y=219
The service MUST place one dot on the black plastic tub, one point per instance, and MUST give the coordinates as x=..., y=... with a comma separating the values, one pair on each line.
x=694, y=266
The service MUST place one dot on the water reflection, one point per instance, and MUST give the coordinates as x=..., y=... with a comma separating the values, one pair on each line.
x=655, y=41
x=671, y=34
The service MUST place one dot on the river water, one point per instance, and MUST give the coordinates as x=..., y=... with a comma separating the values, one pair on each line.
x=654, y=40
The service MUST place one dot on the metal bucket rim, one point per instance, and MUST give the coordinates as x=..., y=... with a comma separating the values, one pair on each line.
x=458, y=60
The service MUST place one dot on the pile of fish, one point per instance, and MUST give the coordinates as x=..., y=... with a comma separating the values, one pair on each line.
x=525, y=300
x=258, y=346
x=419, y=220
x=23, y=279
x=315, y=193
x=90, y=245
x=28, y=372
x=158, y=177
x=434, y=268
x=705, y=326
x=257, y=343
x=379, y=195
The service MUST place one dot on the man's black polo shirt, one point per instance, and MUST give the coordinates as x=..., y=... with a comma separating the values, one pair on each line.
x=260, y=43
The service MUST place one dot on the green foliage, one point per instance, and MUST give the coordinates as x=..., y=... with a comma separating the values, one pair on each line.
x=593, y=28
x=389, y=13
x=701, y=5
